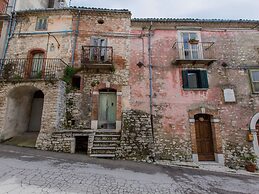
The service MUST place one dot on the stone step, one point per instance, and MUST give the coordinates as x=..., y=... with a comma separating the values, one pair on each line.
x=106, y=138
x=106, y=143
x=107, y=135
x=103, y=155
x=103, y=148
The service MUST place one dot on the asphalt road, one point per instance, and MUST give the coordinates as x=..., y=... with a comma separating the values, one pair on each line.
x=26, y=171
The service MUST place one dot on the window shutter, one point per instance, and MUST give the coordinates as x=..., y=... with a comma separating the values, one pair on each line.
x=185, y=78
x=204, y=79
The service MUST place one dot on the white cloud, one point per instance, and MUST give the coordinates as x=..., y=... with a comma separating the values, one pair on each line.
x=227, y=9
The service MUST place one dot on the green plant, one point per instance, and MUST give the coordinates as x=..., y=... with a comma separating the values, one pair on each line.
x=250, y=158
x=69, y=72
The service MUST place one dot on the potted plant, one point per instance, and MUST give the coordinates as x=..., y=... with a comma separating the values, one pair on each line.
x=193, y=41
x=250, y=162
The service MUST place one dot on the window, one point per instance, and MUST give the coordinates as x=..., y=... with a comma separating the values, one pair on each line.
x=51, y=4
x=194, y=79
x=190, y=48
x=41, y=24
x=76, y=82
x=254, y=75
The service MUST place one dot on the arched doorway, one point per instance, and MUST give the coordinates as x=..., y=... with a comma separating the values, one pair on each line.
x=254, y=128
x=107, y=109
x=36, y=59
x=23, y=115
x=204, y=137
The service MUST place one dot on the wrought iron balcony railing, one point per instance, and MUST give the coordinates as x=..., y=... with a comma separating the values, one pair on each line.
x=198, y=52
x=96, y=55
x=40, y=68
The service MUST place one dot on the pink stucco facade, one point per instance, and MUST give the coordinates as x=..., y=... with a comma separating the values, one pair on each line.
x=172, y=104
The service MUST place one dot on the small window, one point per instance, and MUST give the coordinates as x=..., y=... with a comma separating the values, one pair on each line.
x=76, y=82
x=254, y=75
x=41, y=24
x=195, y=79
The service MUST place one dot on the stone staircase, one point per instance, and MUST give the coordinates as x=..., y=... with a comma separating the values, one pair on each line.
x=105, y=144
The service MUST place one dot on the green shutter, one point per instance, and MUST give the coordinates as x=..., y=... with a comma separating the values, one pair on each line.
x=185, y=78
x=204, y=79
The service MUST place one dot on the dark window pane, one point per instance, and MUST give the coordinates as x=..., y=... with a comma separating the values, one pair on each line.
x=192, y=80
x=256, y=86
x=255, y=75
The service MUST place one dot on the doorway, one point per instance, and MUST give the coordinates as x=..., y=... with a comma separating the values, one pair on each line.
x=204, y=138
x=23, y=116
x=36, y=112
x=36, y=64
x=107, y=109
x=81, y=144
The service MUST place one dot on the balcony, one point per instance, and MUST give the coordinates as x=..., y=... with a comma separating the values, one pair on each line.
x=194, y=53
x=96, y=57
x=31, y=69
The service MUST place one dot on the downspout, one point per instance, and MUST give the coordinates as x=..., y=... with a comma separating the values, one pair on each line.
x=150, y=81
x=9, y=29
x=76, y=36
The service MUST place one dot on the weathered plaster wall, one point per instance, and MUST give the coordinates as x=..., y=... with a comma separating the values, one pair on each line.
x=26, y=39
x=172, y=103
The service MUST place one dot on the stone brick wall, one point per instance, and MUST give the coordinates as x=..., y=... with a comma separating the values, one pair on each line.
x=136, y=136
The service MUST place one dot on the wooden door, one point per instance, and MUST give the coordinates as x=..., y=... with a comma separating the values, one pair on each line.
x=107, y=110
x=204, y=138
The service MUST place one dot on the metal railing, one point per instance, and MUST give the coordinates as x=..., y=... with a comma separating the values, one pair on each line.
x=37, y=68
x=194, y=51
x=96, y=55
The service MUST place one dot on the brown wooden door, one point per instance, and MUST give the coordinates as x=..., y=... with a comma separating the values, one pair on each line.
x=204, y=138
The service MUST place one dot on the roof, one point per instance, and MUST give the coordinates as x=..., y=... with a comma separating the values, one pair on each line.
x=91, y=9
x=193, y=20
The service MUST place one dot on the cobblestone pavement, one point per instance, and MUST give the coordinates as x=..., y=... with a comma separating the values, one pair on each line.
x=32, y=171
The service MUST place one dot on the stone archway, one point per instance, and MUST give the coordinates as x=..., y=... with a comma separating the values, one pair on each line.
x=23, y=112
x=254, y=131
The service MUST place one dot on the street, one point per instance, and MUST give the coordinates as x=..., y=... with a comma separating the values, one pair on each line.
x=26, y=171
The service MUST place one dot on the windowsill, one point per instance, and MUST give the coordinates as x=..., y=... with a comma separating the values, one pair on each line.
x=195, y=89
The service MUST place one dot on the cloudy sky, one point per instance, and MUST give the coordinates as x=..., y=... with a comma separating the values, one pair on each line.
x=216, y=9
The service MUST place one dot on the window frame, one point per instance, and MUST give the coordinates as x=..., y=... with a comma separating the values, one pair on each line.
x=201, y=77
x=181, y=44
x=252, y=81
x=40, y=28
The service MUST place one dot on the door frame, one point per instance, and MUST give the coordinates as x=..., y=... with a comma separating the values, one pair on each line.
x=252, y=128
x=216, y=132
x=29, y=64
x=106, y=92
x=95, y=104
x=198, y=126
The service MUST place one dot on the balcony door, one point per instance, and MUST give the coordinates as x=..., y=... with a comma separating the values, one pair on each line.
x=98, y=51
x=36, y=64
x=189, y=49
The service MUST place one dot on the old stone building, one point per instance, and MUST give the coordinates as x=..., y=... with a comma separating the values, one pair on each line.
x=205, y=94
x=96, y=81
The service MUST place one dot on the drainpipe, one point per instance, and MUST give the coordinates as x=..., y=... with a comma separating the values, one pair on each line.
x=9, y=28
x=150, y=80
x=76, y=36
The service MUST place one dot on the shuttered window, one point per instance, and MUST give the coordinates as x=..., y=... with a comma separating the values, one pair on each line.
x=193, y=79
